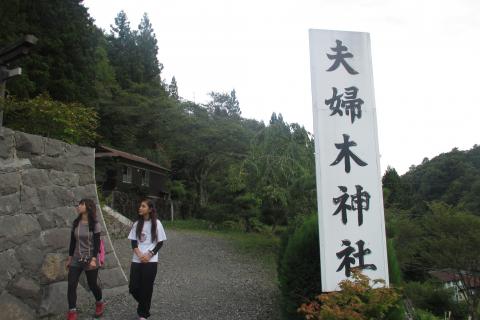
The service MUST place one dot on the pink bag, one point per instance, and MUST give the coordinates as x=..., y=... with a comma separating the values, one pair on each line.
x=101, y=254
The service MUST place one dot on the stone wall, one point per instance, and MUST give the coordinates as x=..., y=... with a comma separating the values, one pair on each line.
x=40, y=182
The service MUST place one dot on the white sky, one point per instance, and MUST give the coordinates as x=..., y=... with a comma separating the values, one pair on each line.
x=426, y=61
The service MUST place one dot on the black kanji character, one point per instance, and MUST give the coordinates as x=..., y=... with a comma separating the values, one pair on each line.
x=360, y=202
x=339, y=58
x=347, y=260
x=352, y=104
x=335, y=103
x=342, y=204
x=346, y=153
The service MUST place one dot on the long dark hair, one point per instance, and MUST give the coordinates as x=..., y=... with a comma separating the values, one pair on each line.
x=91, y=213
x=153, y=218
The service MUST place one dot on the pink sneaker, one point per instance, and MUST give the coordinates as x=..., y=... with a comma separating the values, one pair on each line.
x=72, y=315
x=99, y=308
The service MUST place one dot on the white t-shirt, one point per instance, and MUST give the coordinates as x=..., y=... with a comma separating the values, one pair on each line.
x=145, y=242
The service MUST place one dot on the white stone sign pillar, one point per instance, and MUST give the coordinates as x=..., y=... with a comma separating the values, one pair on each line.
x=349, y=188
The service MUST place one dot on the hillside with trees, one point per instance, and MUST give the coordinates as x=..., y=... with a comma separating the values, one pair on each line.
x=106, y=87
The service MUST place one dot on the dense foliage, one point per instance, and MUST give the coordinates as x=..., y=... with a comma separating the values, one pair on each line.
x=299, y=268
x=106, y=87
x=70, y=122
x=433, y=216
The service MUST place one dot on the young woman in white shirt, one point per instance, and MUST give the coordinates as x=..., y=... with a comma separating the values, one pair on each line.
x=147, y=236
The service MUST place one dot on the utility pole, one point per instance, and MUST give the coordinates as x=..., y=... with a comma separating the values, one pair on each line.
x=8, y=55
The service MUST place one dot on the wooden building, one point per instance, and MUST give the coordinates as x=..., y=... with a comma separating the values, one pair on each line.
x=124, y=179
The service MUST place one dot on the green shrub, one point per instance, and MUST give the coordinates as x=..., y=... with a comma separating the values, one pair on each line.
x=395, y=275
x=424, y=315
x=299, y=268
x=70, y=122
x=433, y=297
x=217, y=213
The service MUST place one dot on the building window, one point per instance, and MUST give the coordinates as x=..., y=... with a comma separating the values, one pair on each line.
x=145, y=178
x=126, y=174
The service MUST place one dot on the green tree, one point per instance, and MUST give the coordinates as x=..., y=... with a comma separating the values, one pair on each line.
x=452, y=241
x=224, y=104
x=123, y=53
x=247, y=205
x=148, y=51
x=173, y=89
x=280, y=168
x=63, y=61
x=392, y=187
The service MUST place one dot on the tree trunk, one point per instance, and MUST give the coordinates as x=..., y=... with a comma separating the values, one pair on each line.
x=248, y=225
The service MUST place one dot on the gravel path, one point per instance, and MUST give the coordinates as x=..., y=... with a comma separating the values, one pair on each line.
x=201, y=277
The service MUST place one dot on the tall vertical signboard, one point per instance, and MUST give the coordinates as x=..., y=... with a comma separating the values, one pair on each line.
x=349, y=189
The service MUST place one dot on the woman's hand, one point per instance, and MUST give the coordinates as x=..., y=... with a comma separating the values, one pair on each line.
x=93, y=262
x=68, y=263
x=145, y=257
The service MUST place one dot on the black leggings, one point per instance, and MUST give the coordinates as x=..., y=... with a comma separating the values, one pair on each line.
x=73, y=277
x=142, y=278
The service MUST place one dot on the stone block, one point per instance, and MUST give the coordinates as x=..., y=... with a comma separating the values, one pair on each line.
x=30, y=256
x=108, y=245
x=54, y=300
x=46, y=220
x=29, y=143
x=14, y=309
x=56, y=238
x=9, y=183
x=74, y=151
x=10, y=204
x=86, y=178
x=30, y=200
x=17, y=229
x=81, y=164
x=64, y=216
x=35, y=178
x=55, y=196
x=55, y=148
x=13, y=165
x=58, y=217
x=53, y=268
x=9, y=266
x=88, y=191
x=64, y=179
x=110, y=261
x=25, y=288
x=7, y=143
x=45, y=162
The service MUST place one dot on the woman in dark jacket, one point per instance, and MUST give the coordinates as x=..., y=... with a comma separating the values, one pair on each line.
x=83, y=256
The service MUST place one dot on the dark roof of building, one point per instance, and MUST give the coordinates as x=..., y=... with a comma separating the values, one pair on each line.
x=452, y=276
x=108, y=152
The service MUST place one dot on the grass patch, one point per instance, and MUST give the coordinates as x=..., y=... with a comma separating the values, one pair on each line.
x=261, y=246
x=190, y=224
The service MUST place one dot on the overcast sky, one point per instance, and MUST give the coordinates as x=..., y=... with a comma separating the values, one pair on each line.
x=426, y=61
